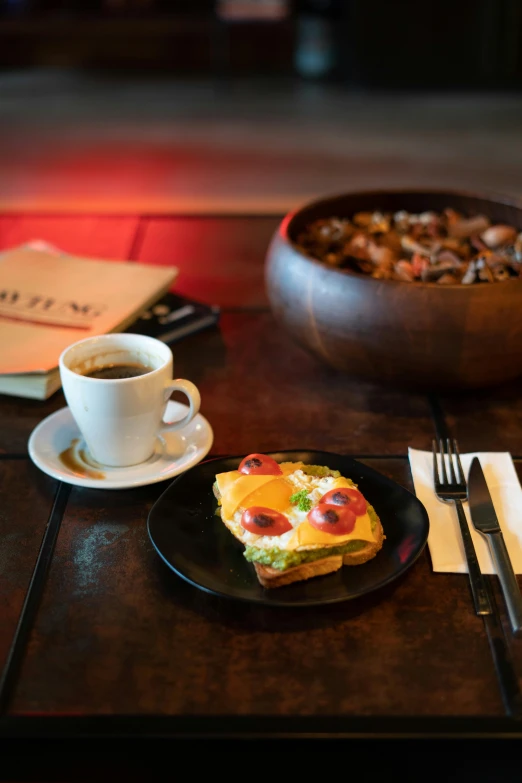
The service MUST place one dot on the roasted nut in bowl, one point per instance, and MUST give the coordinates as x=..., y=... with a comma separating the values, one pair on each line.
x=419, y=334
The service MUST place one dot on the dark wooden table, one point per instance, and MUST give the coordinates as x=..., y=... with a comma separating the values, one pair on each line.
x=112, y=644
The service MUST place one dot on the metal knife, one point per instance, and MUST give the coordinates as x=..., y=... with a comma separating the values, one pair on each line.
x=485, y=521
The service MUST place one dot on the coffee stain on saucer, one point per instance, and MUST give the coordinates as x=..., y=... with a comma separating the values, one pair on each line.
x=78, y=461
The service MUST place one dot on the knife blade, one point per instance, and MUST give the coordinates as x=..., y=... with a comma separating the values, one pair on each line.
x=485, y=520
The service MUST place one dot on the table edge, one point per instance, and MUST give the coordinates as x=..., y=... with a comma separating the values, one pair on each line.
x=261, y=727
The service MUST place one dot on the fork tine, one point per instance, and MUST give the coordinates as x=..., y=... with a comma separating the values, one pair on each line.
x=443, y=461
x=454, y=479
x=436, y=478
x=462, y=477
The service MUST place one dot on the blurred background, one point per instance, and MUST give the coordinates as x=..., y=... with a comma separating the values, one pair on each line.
x=254, y=105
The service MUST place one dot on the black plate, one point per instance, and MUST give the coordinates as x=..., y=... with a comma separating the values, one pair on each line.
x=194, y=542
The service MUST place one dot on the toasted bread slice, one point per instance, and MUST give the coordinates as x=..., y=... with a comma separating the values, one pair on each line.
x=272, y=577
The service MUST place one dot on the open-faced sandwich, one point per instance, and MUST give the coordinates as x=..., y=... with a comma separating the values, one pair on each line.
x=295, y=520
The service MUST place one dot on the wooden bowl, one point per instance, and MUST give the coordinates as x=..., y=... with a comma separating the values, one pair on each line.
x=414, y=334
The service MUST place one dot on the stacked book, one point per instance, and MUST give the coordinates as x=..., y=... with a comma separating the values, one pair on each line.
x=49, y=300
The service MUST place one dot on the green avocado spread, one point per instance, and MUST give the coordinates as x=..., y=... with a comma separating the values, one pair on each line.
x=321, y=472
x=283, y=559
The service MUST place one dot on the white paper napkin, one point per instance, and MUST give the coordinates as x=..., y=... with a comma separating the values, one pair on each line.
x=444, y=540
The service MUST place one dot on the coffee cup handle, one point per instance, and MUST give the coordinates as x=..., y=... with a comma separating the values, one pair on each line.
x=194, y=398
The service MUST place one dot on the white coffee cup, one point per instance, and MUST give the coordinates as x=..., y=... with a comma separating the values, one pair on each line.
x=120, y=419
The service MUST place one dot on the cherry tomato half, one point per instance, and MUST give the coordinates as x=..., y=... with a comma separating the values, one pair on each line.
x=337, y=520
x=265, y=521
x=346, y=497
x=260, y=465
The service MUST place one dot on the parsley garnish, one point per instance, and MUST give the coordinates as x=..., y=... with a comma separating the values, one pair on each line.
x=302, y=500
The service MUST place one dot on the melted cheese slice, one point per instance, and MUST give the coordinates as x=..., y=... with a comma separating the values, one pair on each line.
x=275, y=494
x=224, y=480
x=290, y=467
x=308, y=537
x=342, y=483
x=237, y=490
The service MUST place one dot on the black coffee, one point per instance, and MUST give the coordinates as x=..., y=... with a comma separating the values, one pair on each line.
x=118, y=371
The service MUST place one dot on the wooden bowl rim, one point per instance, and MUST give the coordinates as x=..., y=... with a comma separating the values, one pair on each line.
x=497, y=198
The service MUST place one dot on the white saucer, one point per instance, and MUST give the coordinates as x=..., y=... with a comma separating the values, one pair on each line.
x=175, y=452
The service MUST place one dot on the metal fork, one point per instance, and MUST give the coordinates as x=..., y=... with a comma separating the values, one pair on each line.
x=455, y=490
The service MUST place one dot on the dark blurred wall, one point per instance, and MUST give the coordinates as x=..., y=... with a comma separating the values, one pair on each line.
x=436, y=43
x=366, y=43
